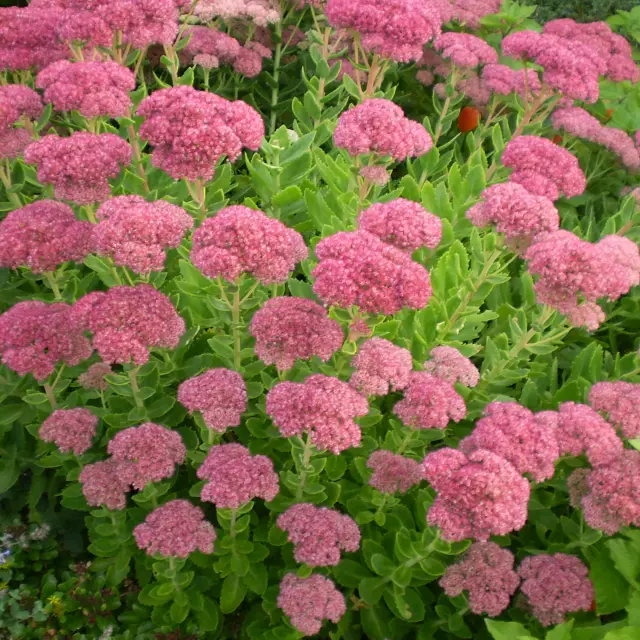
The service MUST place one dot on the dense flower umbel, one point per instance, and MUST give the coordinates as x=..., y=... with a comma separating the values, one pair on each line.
x=78, y=166
x=175, y=530
x=450, y=365
x=392, y=472
x=319, y=534
x=470, y=12
x=42, y=236
x=17, y=100
x=308, y=601
x=379, y=126
x=191, y=130
x=405, y=224
x=13, y=142
x=93, y=377
x=105, y=483
x=70, y=430
x=219, y=394
x=499, y=78
x=356, y=268
x=262, y=12
x=324, y=407
x=242, y=240
x=288, y=328
x=465, y=50
x=429, y=402
x=127, y=321
x=136, y=233
x=35, y=337
x=236, y=477
x=621, y=402
x=479, y=495
x=486, y=574
x=555, y=585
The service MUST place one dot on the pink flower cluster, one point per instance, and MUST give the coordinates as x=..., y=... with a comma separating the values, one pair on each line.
x=324, y=407
x=235, y=477
x=465, y=50
x=375, y=174
x=501, y=79
x=392, y=472
x=620, y=401
x=262, y=12
x=242, y=240
x=93, y=377
x=16, y=101
x=175, y=530
x=449, y=364
x=319, y=534
x=70, y=429
x=43, y=235
x=470, y=12
x=106, y=483
x=287, y=329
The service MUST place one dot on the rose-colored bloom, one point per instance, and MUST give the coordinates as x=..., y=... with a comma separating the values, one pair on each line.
x=242, y=240
x=322, y=406
x=219, y=394
x=465, y=50
x=375, y=174
x=235, y=476
x=429, y=403
x=504, y=80
x=479, y=495
x=35, y=336
x=392, y=472
x=621, y=402
x=70, y=429
x=262, y=12
x=78, y=166
x=175, y=530
x=42, y=236
x=84, y=27
x=308, y=601
x=486, y=574
x=203, y=40
x=17, y=100
x=450, y=365
x=136, y=233
x=588, y=315
x=248, y=63
x=287, y=329
x=379, y=126
x=104, y=483
x=13, y=142
x=93, y=377
x=319, y=534
x=379, y=367
x=470, y=12
x=127, y=321
x=555, y=585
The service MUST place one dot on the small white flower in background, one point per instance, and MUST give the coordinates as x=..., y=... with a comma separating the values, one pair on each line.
x=41, y=532
x=107, y=633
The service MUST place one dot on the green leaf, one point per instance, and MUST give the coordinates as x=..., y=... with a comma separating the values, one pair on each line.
x=179, y=612
x=232, y=594
x=506, y=630
x=349, y=573
x=560, y=632
x=209, y=617
x=287, y=196
x=611, y=588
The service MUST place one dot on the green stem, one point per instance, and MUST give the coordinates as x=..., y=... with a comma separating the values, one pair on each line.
x=91, y=216
x=137, y=157
x=232, y=526
x=172, y=567
x=235, y=328
x=50, y=277
x=631, y=373
x=133, y=381
x=306, y=458
x=48, y=389
x=5, y=178
x=405, y=443
x=277, y=56
x=154, y=501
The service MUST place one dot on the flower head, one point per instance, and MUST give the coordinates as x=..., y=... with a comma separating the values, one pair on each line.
x=375, y=174
x=17, y=100
x=105, y=484
x=70, y=429
x=470, y=12
x=449, y=364
x=503, y=80
x=465, y=50
x=261, y=12
x=621, y=402
x=392, y=472
x=93, y=377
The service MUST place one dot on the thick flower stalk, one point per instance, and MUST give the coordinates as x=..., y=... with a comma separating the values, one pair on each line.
x=70, y=430
x=393, y=473
x=620, y=402
x=447, y=363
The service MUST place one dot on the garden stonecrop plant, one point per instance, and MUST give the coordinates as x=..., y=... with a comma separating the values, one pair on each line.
x=318, y=318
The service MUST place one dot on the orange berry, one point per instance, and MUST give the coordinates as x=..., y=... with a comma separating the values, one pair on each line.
x=468, y=119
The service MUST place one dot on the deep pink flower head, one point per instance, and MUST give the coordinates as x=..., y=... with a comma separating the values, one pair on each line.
x=405, y=224
x=319, y=534
x=236, y=477
x=308, y=601
x=191, y=130
x=479, y=495
x=429, y=403
x=555, y=585
x=582, y=430
x=70, y=429
x=379, y=126
x=262, y=12
x=84, y=27
x=543, y=167
x=248, y=62
x=470, y=12
x=380, y=366
x=219, y=394
x=105, y=483
x=324, y=407
x=621, y=402
x=204, y=40
x=43, y=235
x=137, y=233
x=78, y=166
x=287, y=329
x=175, y=530
x=358, y=268
x=449, y=364
x=93, y=377
x=13, y=142
x=486, y=574
x=501, y=79
x=35, y=337
x=127, y=321
x=465, y=50
x=392, y=472
x=17, y=100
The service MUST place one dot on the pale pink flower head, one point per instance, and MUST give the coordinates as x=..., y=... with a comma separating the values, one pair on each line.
x=287, y=329
x=137, y=233
x=470, y=12
x=465, y=50
x=17, y=100
x=236, y=477
x=174, y=530
x=262, y=12
x=380, y=366
x=392, y=472
x=243, y=240
x=479, y=495
x=620, y=401
x=379, y=126
x=79, y=166
x=501, y=79
x=319, y=534
x=622, y=256
x=70, y=430
x=324, y=407
x=94, y=376
x=219, y=394
x=555, y=585
x=105, y=484
x=375, y=174
x=486, y=573
x=128, y=321
x=588, y=315
x=309, y=601
x=35, y=337
x=429, y=403
x=43, y=235
x=449, y=364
